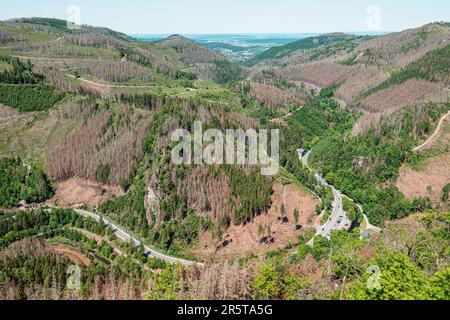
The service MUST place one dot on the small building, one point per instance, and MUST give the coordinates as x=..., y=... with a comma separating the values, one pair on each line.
x=369, y=233
x=301, y=152
x=358, y=162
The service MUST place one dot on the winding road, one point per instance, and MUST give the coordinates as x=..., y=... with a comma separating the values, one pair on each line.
x=338, y=219
x=435, y=133
x=125, y=236
x=282, y=118
x=108, y=85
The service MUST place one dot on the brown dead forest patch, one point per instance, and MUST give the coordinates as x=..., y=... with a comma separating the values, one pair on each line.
x=411, y=220
x=244, y=239
x=7, y=111
x=77, y=191
x=401, y=48
x=272, y=96
x=10, y=119
x=322, y=74
x=399, y=95
x=358, y=81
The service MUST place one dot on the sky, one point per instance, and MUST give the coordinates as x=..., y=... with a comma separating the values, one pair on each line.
x=237, y=16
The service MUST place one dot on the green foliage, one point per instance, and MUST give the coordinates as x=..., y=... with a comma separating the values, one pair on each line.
x=336, y=153
x=445, y=193
x=327, y=93
x=226, y=72
x=353, y=212
x=267, y=283
x=177, y=234
x=251, y=191
x=124, y=184
x=30, y=263
x=58, y=24
x=292, y=285
x=383, y=152
x=28, y=98
x=350, y=61
x=296, y=216
x=307, y=127
x=185, y=75
x=166, y=285
x=331, y=50
x=19, y=225
x=20, y=73
x=303, y=44
x=433, y=67
x=423, y=36
x=102, y=173
x=399, y=279
x=262, y=113
x=22, y=89
x=129, y=210
x=176, y=226
x=315, y=120
x=19, y=182
x=439, y=285
x=26, y=271
x=156, y=264
x=412, y=258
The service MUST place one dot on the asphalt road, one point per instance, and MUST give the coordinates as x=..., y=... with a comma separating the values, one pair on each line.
x=123, y=235
x=338, y=219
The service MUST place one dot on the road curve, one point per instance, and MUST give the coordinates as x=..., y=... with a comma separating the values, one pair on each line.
x=338, y=219
x=109, y=85
x=285, y=116
x=436, y=132
x=123, y=235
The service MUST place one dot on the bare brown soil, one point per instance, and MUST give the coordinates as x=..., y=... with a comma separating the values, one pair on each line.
x=436, y=174
x=75, y=256
x=75, y=192
x=7, y=111
x=243, y=240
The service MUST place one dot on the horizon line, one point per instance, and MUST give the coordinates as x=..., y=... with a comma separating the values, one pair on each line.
x=256, y=33
x=134, y=33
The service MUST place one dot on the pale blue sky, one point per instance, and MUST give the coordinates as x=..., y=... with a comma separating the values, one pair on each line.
x=236, y=16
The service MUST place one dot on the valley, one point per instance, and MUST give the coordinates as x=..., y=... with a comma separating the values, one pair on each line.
x=87, y=176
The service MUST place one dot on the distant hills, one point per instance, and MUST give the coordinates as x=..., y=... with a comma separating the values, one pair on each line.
x=303, y=44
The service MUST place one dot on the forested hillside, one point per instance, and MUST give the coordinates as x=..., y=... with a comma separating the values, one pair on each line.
x=86, y=119
x=304, y=44
x=22, y=182
x=21, y=88
x=408, y=268
x=361, y=165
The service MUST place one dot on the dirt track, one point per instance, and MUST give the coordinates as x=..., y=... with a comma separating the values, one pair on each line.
x=431, y=139
x=73, y=255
